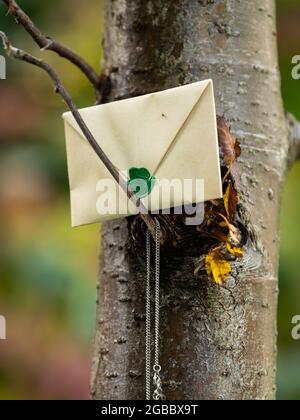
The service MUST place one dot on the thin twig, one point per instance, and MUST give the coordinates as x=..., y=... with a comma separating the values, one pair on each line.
x=47, y=43
x=294, y=140
x=60, y=89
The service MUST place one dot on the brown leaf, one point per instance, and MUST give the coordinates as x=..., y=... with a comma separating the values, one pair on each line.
x=220, y=236
x=228, y=143
x=237, y=148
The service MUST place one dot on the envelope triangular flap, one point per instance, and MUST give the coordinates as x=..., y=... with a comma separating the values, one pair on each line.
x=195, y=150
x=138, y=131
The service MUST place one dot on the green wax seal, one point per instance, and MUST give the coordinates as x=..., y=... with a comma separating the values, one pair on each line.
x=140, y=182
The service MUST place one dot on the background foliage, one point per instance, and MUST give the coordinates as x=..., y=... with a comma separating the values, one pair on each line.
x=48, y=270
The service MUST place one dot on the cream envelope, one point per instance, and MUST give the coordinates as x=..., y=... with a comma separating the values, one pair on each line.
x=173, y=134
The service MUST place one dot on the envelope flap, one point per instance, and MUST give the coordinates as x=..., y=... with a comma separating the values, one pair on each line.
x=137, y=132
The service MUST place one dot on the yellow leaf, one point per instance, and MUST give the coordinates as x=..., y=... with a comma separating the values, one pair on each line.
x=226, y=201
x=217, y=269
x=230, y=201
x=237, y=252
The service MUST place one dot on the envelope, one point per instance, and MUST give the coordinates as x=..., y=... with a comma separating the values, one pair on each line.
x=172, y=135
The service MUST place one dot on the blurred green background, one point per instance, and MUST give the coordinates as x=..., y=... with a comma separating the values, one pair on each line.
x=48, y=270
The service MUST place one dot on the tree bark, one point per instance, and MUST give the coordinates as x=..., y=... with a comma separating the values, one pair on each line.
x=216, y=342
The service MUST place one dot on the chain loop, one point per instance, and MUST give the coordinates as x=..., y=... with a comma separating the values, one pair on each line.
x=158, y=392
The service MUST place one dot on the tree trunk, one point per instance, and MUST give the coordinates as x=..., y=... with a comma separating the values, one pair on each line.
x=216, y=342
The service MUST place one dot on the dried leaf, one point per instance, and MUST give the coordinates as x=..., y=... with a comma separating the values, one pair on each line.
x=230, y=201
x=234, y=237
x=234, y=250
x=237, y=149
x=228, y=143
x=218, y=261
x=220, y=236
x=223, y=224
x=217, y=268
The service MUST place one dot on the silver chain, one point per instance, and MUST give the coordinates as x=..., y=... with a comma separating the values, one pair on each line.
x=158, y=392
x=148, y=319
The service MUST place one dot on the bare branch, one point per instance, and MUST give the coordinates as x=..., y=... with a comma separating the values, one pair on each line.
x=294, y=139
x=47, y=43
x=60, y=89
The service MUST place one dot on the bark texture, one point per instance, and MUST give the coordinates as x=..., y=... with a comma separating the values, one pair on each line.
x=216, y=343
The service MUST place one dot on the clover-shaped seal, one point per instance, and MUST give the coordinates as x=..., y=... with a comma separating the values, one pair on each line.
x=140, y=182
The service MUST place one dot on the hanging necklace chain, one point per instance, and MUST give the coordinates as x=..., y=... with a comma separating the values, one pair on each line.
x=148, y=319
x=158, y=392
